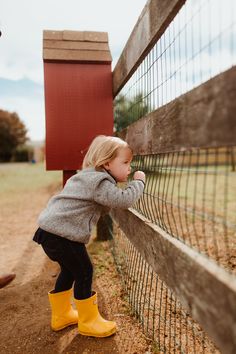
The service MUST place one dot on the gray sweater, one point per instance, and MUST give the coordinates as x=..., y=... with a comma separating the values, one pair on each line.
x=85, y=197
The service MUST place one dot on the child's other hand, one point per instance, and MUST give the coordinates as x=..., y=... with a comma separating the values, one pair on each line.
x=140, y=175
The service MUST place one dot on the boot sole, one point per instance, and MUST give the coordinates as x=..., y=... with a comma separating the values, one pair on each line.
x=108, y=334
x=62, y=327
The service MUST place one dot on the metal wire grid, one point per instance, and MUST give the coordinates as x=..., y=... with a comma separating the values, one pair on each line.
x=191, y=195
x=197, y=45
x=163, y=318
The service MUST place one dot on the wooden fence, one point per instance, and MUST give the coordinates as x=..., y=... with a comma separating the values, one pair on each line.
x=199, y=118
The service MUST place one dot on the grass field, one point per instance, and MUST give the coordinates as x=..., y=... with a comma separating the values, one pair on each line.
x=24, y=176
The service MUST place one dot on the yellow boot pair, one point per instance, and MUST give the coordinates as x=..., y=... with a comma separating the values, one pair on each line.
x=90, y=322
x=63, y=314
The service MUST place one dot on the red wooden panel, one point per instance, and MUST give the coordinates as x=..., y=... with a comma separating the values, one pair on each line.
x=79, y=106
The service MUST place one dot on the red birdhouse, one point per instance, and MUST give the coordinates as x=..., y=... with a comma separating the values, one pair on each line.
x=78, y=95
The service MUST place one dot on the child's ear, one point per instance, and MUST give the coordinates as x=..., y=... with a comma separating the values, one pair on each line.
x=106, y=165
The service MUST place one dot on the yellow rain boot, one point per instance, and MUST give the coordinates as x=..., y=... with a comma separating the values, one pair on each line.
x=63, y=314
x=90, y=322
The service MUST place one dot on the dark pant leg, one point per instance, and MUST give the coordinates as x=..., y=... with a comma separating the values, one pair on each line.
x=74, y=262
x=64, y=280
x=80, y=265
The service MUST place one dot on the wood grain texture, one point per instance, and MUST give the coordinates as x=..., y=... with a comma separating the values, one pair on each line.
x=57, y=44
x=203, y=117
x=83, y=36
x=77, y=55
x=80, y=46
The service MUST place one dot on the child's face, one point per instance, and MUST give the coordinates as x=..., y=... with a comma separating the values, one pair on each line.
x=119, y=167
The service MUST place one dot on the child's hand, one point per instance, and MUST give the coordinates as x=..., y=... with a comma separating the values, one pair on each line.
x=140, y=175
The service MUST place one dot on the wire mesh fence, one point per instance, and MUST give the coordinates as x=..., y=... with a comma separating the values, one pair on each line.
x=191, y=195
x=163, y=318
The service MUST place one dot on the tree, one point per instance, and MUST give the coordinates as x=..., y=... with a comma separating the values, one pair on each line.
x=12, y=134
x=128, y=111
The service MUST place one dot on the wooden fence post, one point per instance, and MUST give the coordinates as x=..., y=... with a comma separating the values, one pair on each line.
x=104, y=228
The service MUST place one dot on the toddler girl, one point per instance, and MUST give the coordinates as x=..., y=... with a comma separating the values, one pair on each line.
x=65, y=227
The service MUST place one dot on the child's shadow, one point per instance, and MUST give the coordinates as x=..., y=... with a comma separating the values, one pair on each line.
x=73, y=342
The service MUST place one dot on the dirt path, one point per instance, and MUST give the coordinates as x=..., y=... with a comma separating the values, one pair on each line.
x=24, y=309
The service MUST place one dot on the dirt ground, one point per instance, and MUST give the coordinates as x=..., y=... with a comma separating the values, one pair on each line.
x=24, y=307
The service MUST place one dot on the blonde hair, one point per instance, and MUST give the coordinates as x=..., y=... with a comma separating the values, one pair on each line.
x=103, y=149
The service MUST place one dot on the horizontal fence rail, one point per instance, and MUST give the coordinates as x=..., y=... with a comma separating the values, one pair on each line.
x=203, y=117
x=174, y=93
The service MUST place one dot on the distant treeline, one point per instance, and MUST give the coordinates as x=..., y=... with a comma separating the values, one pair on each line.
x=13, y=135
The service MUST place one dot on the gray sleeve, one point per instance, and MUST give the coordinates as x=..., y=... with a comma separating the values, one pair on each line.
x=108, y=194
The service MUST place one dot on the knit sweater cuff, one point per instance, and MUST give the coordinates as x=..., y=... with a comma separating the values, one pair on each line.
x=140, y=180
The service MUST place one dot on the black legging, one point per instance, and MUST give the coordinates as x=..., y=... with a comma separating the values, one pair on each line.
x=75, y=264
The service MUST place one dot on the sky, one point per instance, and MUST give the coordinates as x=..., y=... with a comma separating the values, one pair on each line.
x=21, y=65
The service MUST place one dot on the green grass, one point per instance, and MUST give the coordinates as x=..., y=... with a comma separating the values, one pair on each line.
x=196, y=189
x=22, y=177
